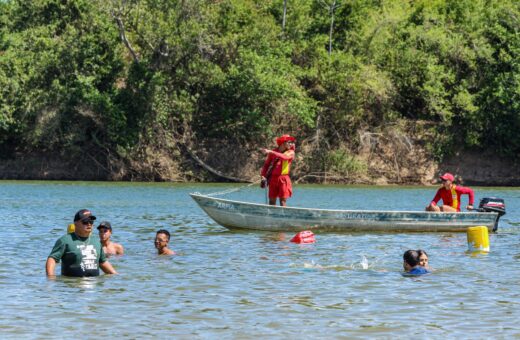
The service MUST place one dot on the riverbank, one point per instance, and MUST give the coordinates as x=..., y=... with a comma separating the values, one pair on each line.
x=189, y=91
x=412, y=167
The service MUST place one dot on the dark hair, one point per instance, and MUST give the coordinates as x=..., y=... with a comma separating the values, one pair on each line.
x=421, y=252
x=411, y=257
x=165, y=232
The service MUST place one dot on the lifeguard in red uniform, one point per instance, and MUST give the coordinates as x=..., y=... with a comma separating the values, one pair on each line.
x=276, y=169
x=450, y=195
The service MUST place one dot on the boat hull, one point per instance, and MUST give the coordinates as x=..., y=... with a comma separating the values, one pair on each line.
x=243, y=215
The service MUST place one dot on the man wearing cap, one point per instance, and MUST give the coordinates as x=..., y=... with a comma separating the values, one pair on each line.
x=109, y=247
x=80, y=255
x=276, y=169
x=450, y=195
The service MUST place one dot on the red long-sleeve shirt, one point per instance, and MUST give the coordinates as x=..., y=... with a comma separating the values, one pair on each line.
x=280, y=167
x=452, y=197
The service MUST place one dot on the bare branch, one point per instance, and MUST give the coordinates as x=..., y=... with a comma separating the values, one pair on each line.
x=211, y=170
x=284, y=14
x=184, y=141
x=331, y=7
x=125, y=41
x=122, y=34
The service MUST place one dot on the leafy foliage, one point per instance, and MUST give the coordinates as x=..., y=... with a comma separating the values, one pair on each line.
x=120, y=73
x=58, y=72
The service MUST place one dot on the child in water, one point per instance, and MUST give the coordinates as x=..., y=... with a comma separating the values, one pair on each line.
x=411, y=263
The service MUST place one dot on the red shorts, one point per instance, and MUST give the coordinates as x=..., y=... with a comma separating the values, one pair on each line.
x=280, y=186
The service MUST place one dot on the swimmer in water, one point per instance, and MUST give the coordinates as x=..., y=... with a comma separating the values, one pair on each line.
x=423, y=259
x=411, y=263
x=109, y=247
x=161, y=242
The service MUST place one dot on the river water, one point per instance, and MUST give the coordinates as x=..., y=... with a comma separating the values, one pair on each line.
x=245, y=285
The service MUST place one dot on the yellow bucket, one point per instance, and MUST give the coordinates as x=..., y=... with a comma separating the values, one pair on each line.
x=478, y=239
x=71, y=228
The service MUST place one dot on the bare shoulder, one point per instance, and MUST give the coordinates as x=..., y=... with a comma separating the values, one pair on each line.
x=120, y=250
x=168, y=251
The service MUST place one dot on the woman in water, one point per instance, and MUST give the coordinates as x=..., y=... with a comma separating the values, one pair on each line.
x=423, y=259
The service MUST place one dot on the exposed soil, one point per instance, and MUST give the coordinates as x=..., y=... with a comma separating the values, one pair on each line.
x=483, y=168
x=392, y=157
x=44, y=166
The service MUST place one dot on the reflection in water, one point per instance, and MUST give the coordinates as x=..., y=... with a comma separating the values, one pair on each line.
x=270, y=237
x=477, y=253
x=86, y=283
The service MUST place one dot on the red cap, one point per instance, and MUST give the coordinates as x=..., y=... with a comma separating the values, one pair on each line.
x=284, y=138
x=447, y=177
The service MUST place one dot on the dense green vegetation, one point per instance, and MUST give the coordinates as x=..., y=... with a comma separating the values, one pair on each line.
x=115, y=78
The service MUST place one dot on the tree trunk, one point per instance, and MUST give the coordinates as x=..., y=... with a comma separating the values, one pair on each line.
x=332, y=8
x=284, y=14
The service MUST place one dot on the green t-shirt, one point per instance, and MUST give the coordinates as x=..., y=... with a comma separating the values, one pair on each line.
x=79, y=256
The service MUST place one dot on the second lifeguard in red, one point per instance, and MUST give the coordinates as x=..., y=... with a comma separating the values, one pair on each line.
x=450, y=194
x=276, y=169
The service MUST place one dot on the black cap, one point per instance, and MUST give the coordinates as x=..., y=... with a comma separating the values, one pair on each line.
x=84, y=214
x=105, y=224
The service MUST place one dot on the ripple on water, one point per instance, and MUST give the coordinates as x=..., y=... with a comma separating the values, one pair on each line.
x=247, y=284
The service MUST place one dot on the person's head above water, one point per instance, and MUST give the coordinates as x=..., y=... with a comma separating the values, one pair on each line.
x=410, y=259
x=165, y=232
x=411, y=263
x=423, y=258
x=162, y=238
x=83, y=222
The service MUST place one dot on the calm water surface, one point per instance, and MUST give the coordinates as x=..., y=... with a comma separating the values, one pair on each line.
x=227, y=284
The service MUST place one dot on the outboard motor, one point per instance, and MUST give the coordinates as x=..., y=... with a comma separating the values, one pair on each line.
x=493, y=204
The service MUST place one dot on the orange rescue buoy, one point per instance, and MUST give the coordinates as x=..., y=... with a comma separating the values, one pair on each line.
x=306, y=236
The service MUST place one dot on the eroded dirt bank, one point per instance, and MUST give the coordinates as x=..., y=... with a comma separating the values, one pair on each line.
x=389, y=159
